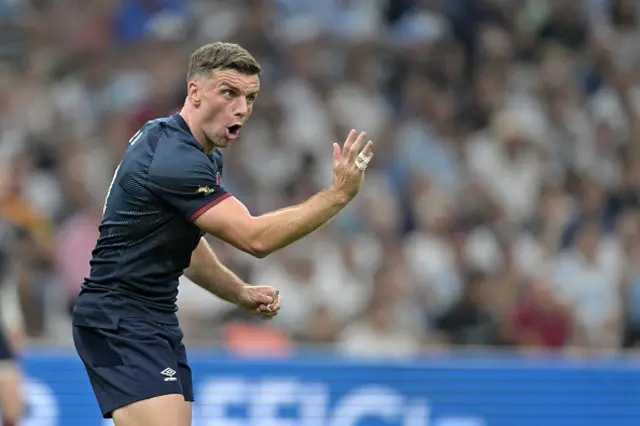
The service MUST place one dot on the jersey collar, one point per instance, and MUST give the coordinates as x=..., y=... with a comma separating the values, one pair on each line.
x=184, y=126
x=180, y=121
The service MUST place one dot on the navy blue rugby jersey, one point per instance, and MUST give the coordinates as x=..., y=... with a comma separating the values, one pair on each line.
x=164, y=182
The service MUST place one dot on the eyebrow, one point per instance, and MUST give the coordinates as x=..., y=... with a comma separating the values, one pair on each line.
x=237, y=89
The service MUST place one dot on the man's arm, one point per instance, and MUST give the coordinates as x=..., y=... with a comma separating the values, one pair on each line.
x=208, y=272
x=260, y=236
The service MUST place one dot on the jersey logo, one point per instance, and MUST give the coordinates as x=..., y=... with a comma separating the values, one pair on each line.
x=206, y=190
x=218, y=179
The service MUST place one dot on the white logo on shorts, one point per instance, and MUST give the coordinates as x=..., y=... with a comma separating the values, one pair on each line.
x=169, y=372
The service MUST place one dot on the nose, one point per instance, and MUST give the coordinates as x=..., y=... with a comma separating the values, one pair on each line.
x=241, y=107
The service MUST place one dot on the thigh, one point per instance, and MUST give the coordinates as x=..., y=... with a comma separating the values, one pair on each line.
x=10, y=380
x=128, y=364
x=166, y=410
x=11, y=391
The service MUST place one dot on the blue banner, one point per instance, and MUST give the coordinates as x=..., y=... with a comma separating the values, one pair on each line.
x=451, y=391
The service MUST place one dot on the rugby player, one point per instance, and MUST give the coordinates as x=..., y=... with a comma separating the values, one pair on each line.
x=165, y=195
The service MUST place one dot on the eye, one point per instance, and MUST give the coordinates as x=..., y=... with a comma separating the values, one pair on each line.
x=251, y=98
x=227, y=94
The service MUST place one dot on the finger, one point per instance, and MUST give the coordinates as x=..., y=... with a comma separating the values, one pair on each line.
x=261, y=311
x=265, y=289
x=275, y=306
x=350, y=140
x=272, y=308
x=263, y=299
x=268, y=315
x=262, y=294
x=265, y=295
x=368, y=150
x=355, y=148
x=268, y=312
x=336, y=153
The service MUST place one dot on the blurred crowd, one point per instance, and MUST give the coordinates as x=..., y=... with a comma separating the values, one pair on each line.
x=502, y=207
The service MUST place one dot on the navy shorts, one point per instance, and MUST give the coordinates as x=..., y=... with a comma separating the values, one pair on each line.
x=131, y=359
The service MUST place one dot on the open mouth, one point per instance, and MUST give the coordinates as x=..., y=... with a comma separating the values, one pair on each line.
x=233, y=131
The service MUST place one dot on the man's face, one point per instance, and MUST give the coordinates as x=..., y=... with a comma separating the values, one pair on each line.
x=224, y=102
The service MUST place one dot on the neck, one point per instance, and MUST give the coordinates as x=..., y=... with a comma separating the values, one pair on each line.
x=196, y=130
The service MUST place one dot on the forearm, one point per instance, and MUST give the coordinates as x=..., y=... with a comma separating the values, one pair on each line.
x=208, y=272
x=260, y=236
x=273, y=231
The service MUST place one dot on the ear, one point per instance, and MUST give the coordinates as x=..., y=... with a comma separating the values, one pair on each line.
x=193, y=92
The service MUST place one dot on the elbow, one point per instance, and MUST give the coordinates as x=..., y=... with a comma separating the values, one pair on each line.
x=260, y=254
x=258, y=250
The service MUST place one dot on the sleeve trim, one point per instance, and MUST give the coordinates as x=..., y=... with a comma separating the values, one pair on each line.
x=206, y=207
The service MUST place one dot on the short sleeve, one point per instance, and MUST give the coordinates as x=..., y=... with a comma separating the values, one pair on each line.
x=191, y=185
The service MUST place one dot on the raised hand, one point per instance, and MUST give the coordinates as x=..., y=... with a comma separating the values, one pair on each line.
x=349, y=164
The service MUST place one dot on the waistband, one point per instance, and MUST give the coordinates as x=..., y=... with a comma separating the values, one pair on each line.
x=119, y=305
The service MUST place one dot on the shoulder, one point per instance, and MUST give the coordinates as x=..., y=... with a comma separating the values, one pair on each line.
x=155, y=131
x=177, y=160
x=174, y=152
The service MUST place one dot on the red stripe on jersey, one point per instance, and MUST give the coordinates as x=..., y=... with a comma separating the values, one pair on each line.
x=206, y=207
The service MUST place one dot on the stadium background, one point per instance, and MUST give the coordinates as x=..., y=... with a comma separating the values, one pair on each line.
x=488, y=274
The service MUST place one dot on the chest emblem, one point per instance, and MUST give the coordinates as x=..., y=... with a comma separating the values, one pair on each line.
x=206, y=190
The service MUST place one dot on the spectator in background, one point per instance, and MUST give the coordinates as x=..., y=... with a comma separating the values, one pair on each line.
x=541, y=238
x=138, y=21
x=507, y=163
x=430, y=254
x=539, y=320
x=469, y=321
x=380, y=333
x=625, y=195
x=623, y=18
x=629, y=229
x=38, y=251
x=592, y=209
x=588, y=278
x=567, y=24
x=294, y=272
x=75, y=240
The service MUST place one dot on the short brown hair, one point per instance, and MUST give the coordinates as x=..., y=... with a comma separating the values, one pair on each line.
x=220, y=56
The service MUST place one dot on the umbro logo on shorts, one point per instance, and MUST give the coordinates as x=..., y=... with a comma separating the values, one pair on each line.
x=169, y=372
